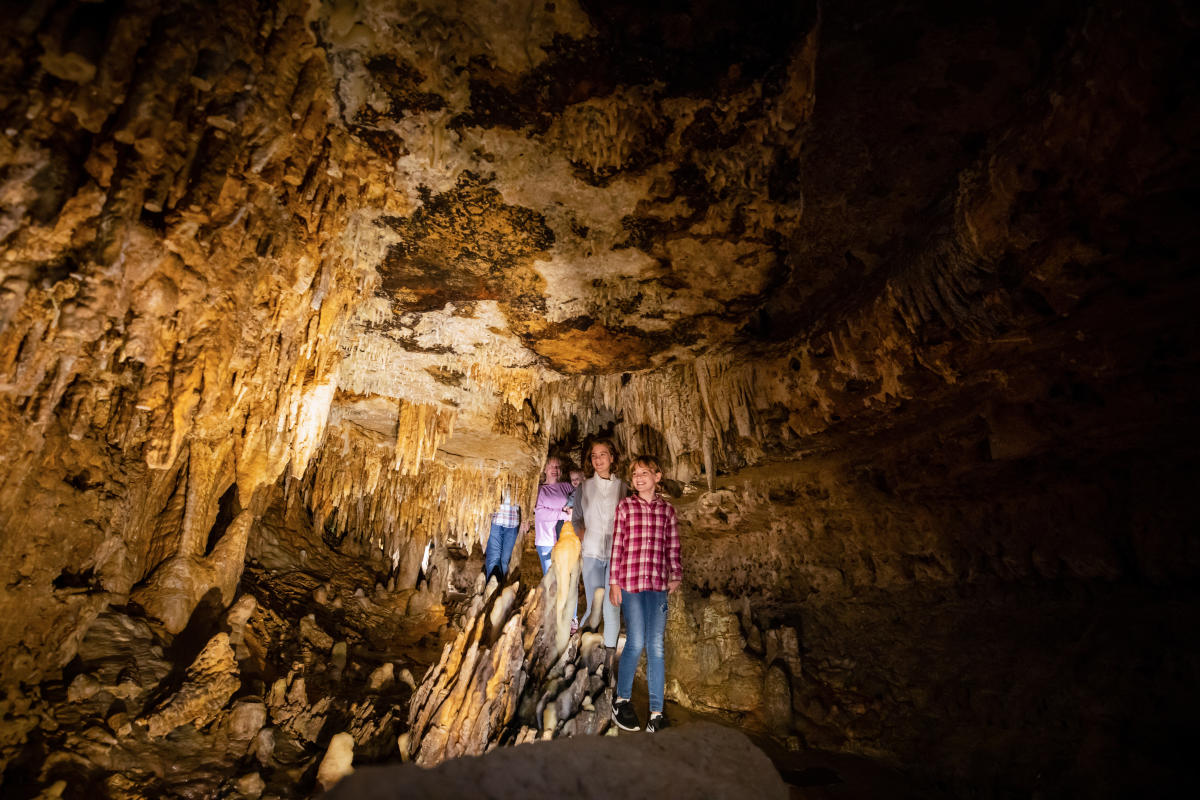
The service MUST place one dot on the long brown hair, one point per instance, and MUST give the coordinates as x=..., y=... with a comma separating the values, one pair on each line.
x=588, y=469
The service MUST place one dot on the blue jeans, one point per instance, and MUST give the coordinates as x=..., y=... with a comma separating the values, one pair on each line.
x=595, y=575
x=543, y=551
x=645, y=623
x=499, y=549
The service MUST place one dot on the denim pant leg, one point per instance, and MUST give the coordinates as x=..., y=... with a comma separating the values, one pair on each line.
x=543, y=552
x=645, y=626
x=508, y=538
x=656, y=629
x=635, y=641
x=594, y=575
x=612, y=614
x=492, y=551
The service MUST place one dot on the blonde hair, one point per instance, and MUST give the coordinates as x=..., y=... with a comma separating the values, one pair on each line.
x=562, y=463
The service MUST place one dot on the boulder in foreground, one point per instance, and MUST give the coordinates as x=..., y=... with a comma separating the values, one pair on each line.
x=695, y=760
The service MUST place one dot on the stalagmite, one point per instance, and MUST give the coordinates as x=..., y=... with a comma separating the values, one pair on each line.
x=209, y=683
x=337, y=763
x=381, y=677
x=565, y=562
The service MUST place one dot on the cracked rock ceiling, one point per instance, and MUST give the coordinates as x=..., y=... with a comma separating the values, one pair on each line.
x=570, y=190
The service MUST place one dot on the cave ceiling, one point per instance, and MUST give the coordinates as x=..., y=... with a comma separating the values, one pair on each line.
x=532, y=191
x=871, y=203
x=570, y=190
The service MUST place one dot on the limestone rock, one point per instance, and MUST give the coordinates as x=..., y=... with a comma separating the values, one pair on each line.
x=209, y=682
x=250, y=786
x=264, y=746
x=381, y=677
x=116, y=643
x=246, y=719
x=565, y=561
x=337, y=762
x=709, y=665
x=505, y=668
x=238, y=615
x=338, y=656
x=175, y=588
x=313, y=634
x=83, y=687
x=777, y=700
x=53, y=791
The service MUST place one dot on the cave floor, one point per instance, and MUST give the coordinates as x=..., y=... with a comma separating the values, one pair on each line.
x=810, y=774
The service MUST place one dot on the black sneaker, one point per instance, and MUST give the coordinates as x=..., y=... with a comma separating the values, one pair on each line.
x=625, y=717
x=657, y=723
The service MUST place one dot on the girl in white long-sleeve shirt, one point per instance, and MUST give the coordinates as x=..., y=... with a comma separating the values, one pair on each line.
x=595, y=509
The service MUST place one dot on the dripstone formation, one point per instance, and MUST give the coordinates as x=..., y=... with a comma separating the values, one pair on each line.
x=901, y=296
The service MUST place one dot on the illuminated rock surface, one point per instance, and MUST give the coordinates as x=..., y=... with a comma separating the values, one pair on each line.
x=291, y=294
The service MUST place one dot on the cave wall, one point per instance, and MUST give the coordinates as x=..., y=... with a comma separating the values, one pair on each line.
x=964, y=497
x=172, y=296
x=1015, y=623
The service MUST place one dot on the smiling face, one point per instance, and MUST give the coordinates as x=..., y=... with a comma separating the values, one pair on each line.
x=576, y=477
x=644, y=479
x=602, y=460
x=553, y=471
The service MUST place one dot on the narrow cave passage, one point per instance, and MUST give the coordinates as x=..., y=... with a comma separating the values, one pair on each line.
x=294, y=295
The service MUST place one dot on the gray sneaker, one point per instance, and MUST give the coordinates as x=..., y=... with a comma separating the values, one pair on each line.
x=624, y=715
x=657, y=723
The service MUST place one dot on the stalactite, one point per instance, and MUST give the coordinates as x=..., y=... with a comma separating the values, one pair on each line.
x=420, y=429
x=358, y=487
x=665, y=412
x=138, y=335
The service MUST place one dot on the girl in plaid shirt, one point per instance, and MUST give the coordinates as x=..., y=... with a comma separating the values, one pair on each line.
x=645, y=567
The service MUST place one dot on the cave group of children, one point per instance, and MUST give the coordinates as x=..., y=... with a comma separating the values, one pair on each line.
x=630, y=558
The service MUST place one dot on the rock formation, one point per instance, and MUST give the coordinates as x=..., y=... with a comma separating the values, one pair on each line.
x=291, y=294
x=702, y=760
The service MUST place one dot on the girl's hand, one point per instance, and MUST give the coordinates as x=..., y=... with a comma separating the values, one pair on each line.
x=614, y=594
x=672, y=586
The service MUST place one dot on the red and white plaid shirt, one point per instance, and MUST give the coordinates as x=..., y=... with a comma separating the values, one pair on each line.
x=645, y=550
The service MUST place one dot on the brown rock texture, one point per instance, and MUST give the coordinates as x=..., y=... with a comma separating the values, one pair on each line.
x=700, y=760
x=293, y=294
